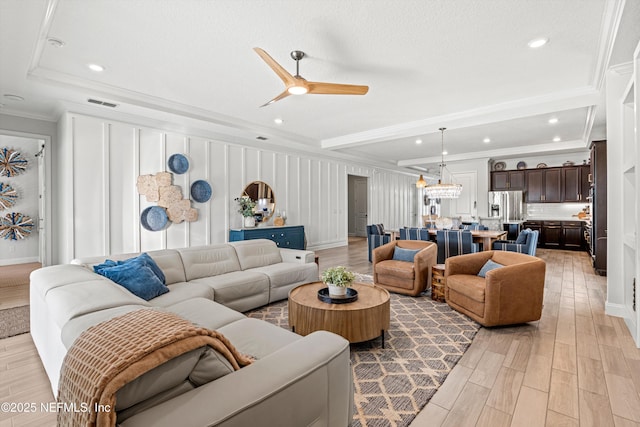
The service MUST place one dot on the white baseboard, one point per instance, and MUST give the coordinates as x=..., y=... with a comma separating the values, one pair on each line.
x=328, y=245
x=617, y=310
x=25, y=260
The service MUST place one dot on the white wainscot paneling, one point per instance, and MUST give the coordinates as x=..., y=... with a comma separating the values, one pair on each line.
x=108, y=156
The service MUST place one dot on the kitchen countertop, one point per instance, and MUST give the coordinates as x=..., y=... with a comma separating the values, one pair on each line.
x=555, y=218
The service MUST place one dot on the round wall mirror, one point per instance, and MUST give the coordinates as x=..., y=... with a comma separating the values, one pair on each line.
x=262, y=194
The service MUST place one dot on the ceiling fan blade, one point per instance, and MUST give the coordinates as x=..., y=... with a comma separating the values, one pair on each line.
x=336, y=89
x=277, y=98
x=287, y=78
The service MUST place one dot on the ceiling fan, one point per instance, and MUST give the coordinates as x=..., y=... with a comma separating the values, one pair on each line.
x=297, y=85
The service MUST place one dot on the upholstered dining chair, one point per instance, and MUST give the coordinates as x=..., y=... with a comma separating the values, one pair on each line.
x=473, y=226
x=526, y=243
x=413, y=233
x=376, y=236
x=404, y=266
x=496, y=287
x=454, y=242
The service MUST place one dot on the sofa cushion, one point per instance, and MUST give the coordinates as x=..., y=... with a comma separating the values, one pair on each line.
x=487, y=267
x=74, y=327
x=44, y=279
x=248, y=336
x=236, y=285
x=401, y=254
x=181, y=292
x=135, y=276
x=285, y=273
x=142, y=259
x=168, y=260
x=75, y=299
x=256, y=253
x=199, y=366
x=205, y=313
x=206, y=261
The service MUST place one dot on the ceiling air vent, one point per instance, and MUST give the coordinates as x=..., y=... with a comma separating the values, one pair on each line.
x=104, y=103
x=262, y=138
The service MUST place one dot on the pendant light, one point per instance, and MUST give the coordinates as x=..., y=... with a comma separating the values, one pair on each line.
x=442, y=190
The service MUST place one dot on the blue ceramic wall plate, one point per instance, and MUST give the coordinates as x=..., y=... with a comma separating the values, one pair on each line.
x=178, y=163
x=200, y=191
x=154, y=218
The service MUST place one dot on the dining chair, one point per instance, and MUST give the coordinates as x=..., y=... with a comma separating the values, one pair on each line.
x=376, y=236
x=454, y=242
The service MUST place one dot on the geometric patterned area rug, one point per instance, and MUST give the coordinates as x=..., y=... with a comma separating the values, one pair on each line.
x=424, y=342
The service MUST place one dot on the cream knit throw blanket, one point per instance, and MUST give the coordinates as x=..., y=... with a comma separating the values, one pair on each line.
x=110, y=354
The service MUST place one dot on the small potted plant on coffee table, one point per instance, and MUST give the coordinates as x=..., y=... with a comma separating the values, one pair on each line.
x=337, y=280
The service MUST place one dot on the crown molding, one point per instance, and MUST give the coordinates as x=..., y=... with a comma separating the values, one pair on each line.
x=27, y=115
x=558, y=101
x=551, y=148
x=608, y=32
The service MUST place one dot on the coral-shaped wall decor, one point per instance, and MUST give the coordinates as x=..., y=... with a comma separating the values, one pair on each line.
x=12, y=162
x=8, y=196
x=15, y=226
x=149, y=185
x=158, y=188
x=182, y=211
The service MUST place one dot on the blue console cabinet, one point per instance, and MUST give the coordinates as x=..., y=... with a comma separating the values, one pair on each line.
x=291, y=237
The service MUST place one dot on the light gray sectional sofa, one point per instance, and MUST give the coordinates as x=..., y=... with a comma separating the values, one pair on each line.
x=295, y=381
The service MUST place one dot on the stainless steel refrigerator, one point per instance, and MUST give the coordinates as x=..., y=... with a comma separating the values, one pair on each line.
x=506, y=205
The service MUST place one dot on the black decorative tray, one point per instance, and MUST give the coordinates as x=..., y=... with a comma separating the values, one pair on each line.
x=351, y=296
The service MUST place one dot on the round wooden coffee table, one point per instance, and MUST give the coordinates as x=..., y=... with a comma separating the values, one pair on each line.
x=362, y=320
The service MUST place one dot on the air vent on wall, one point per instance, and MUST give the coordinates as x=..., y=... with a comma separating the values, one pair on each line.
x=104, y=103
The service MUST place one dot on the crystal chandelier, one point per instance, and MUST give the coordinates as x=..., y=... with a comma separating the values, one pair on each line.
x=440, y=190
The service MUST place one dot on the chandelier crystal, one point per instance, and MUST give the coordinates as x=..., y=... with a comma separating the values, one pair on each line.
x=442, y=190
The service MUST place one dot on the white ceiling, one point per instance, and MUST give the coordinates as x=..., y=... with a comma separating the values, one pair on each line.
x=461, y=64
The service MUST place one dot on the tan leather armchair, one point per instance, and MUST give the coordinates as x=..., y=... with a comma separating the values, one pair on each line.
x=507, y=295
x=403, y=277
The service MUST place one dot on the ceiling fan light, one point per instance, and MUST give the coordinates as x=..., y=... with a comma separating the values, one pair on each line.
x=297, y=90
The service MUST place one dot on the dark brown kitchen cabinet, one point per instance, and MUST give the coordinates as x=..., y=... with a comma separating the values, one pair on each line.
x=552, y=234
x=572, y=236
x=575, y=184
x=507, y=180
x=543, y=185
x=599, y=204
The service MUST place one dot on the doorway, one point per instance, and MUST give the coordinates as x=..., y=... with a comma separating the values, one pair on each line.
x=358, y=196
x=30, y=187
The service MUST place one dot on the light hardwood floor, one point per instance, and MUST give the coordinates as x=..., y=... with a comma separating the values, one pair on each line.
x=575, y=367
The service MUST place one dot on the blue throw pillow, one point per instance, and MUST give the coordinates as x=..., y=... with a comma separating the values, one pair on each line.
x=142, y=259
x=487, y=267
x=522, y=237
x=401, y=254
x=137, y=278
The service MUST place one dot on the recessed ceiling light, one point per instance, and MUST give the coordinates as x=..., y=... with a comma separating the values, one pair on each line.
x=486, y=140
x=557, y=139
x=444, y=153
x=55, y=42
x=278, y=121
x=12, y=97
x=418, y=141
x=536, y=43
x=553, y=120
x=95, y=67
